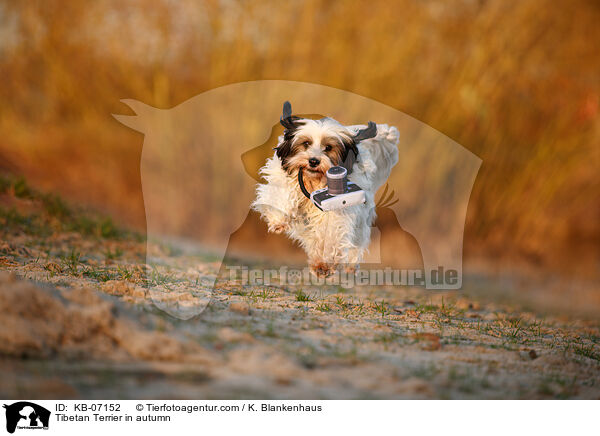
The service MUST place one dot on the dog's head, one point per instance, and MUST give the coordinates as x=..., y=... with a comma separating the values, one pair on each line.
x=316, y=145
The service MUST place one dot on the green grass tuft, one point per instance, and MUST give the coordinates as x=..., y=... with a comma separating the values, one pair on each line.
x=301, y=296
x=323, y=307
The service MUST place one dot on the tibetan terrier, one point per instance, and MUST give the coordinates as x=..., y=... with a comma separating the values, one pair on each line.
x=337, y=238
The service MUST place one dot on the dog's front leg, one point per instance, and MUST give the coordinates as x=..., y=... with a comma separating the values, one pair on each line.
x=320, y=263
x=318, y=247
x=355, y=256
x=330, y=247
x=277, y=222
x=353, y=240
x=275, y=206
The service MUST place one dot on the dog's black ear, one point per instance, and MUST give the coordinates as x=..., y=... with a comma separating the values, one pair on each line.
x=290, y=123
x=369, y=132
x=350, y=146
x=287, y=110
x=350, y=154
x=287, y=120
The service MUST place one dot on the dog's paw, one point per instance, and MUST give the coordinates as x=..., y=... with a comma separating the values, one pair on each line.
x=322, y=269
x=278, y=228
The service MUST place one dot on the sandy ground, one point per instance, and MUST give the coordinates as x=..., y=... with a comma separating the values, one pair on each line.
x=86, y=313
x=80, y=320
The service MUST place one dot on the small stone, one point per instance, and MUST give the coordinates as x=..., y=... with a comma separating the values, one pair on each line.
x=116, y=287
x=398, y=310
x=241, y=308
x=413, y=313
x=528, y=355
x=429, y=341
x=227, y=334
x=464, y=304
x=415, y=386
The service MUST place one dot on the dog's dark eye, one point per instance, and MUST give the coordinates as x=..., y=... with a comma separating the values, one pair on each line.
x=306, y=143
x=328, y=148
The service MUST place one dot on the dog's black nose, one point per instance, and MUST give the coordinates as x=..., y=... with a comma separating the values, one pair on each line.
x=313, y=161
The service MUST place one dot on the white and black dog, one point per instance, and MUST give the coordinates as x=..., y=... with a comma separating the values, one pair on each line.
x=337, y=238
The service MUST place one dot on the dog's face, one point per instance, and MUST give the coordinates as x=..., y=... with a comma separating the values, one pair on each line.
x=315, y=146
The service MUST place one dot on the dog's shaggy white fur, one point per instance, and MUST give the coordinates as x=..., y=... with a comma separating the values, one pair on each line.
x=336, y=238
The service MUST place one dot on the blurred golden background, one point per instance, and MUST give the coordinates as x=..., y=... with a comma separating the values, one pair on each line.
x=516, y=83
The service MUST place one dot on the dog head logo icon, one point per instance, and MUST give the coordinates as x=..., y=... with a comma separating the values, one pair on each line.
x=26, y=415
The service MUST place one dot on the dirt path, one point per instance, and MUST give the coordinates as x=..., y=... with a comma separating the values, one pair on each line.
x=78, y=320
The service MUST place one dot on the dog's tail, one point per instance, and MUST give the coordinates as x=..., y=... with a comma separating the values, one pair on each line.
x=384, y=152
